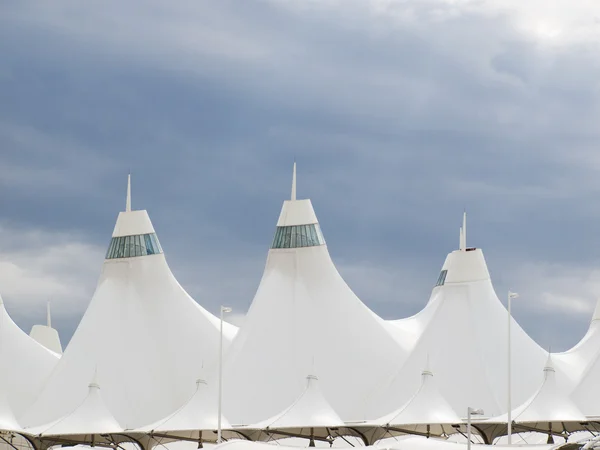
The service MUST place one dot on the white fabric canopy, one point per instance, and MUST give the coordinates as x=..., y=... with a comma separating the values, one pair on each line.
x=586, y=355
x=309, y=416
x=465, y=332
x=427, y=412
x=575, y=363
x=548, y=409
x=143, y=333
x=8, y=422
x=196, y=420
x=304, y=318
x=91, y=417
x=26, y=365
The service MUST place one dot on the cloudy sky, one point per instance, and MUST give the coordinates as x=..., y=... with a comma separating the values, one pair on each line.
x=400, y=114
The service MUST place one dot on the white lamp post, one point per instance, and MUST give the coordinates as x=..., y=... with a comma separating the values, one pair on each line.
x=511, y=295
x=224, y=309
x=474, y=412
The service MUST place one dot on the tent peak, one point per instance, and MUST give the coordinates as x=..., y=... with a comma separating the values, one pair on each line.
x=94, y=383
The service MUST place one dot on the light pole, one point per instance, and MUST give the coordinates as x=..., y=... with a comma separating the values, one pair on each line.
x=474, y=412
x=224, y=309
x=511, y=295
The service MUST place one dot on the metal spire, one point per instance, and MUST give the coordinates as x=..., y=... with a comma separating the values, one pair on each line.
x=294, y=182
x=128, y=201
x=463, y=233
x=48, y=316
x=464, y=228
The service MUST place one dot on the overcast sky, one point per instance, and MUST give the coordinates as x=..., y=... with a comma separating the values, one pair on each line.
x=400, y=114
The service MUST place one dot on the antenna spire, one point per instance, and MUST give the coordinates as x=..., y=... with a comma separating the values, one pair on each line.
x=128, y=201
x=464, y=228
x=48, y=316
x=294, y=182
x=463, y=233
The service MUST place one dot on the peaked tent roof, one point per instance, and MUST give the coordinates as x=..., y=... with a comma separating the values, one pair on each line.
x=574, y=364
x=309, y=416
x=8, y=421
x=295, y=326
x=586, y=393
x=549, y=404
x=548, y=409
x=427, y=412
x=91, y=417
x=142, y=332
x=464, y=330
x=28, y=364
x=195, y=420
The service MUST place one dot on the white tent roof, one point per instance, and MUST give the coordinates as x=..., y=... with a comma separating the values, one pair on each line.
x=91, y=417
x=427, y=412
x=575, y=363
x=311, y=409
x=26, y=364
x=586, y=357
x=142, y=331
x=199, y=413
x=305, y=318
x=310, y=416
x=464, y=329
x=550, y=406
x=427, y=406
x=8, y=422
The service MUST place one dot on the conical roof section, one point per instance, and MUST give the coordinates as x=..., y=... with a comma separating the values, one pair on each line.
x=27, y=365
x=573, y=365
x=310, y=410
x=310, y=417
x=301, y=311
x=464, y=329
x=586, y=394
x=426, y=407
x=198, y=413
x=91, y=417
x=550, y=403
x=8, y=421
x=549, y=408
x=427, y=413
x=140, y=331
